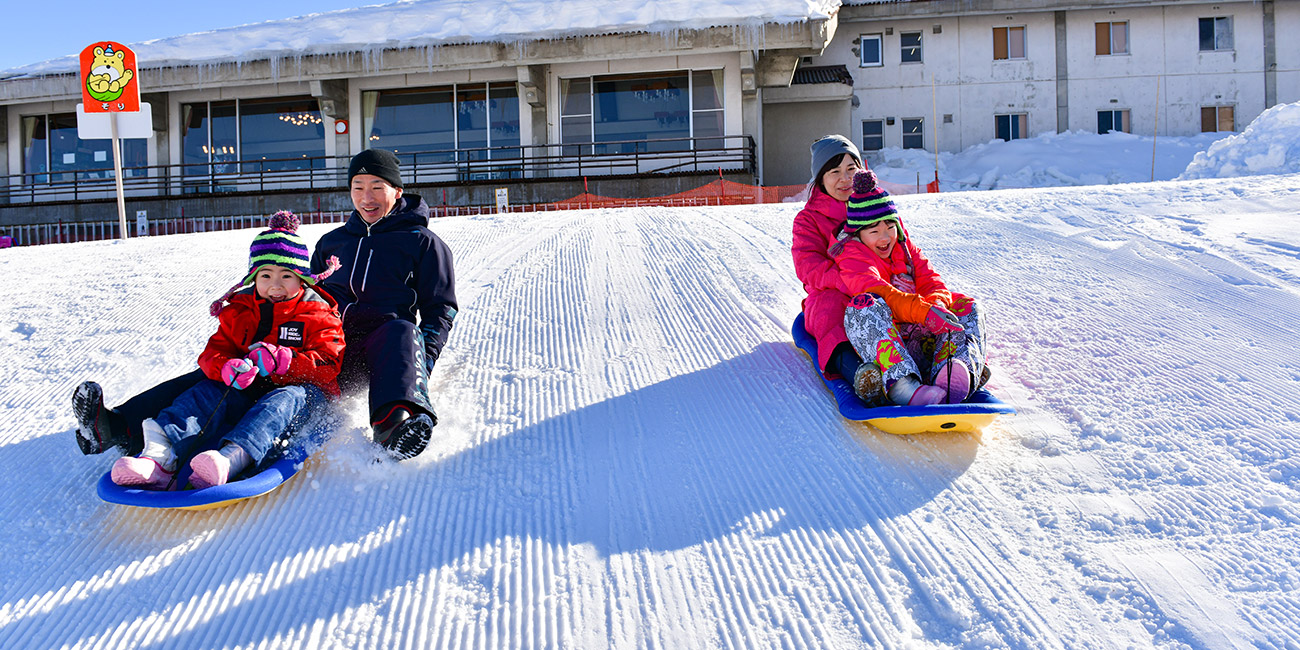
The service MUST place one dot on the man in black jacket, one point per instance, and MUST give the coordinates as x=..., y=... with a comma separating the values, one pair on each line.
x=396, y=293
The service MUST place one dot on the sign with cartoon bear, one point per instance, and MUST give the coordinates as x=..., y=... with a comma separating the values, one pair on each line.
x=108, y=78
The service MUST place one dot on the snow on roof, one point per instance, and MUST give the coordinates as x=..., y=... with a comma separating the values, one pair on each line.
x=417, y=23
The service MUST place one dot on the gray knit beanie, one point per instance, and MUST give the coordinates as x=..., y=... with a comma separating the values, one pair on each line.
x=827, y=148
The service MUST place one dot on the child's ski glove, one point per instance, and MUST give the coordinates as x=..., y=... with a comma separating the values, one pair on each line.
x=940, y=321
x=270, y=359
x=238, y=373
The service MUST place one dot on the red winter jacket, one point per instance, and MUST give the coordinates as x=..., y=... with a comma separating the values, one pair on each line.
x=862, y=271
x=815, y=228
x=309, y=324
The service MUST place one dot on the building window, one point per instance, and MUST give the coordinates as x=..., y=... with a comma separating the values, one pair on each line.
x=642, y=112
x=873, y=135
x=1011, y=127
x=1108, y=121
x=273, y=134
x=706, y=109
x=1217, y=118
x=209, y=138
x=1008, y=43
x=1112, y=38
x=53, y=153
x=911, y=46
x=280, y=134
x=913, y=133
x=871, y=51
x=431, y=125
x=1216, y=33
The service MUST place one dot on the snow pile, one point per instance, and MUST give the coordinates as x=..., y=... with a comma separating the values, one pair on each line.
x=430, y=23
x=1073, y=158
x=1270, y=145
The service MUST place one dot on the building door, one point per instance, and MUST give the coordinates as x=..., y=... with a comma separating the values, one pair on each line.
x=789, y=128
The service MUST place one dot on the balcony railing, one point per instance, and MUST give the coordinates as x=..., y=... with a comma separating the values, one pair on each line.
x=522, y=163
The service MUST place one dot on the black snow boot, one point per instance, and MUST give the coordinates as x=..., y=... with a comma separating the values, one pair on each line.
x=402, y=433
x=97, y=429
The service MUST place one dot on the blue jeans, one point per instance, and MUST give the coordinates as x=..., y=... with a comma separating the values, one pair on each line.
x=213, y=411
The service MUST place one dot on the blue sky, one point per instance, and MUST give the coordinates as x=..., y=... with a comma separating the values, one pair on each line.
x=39, y=31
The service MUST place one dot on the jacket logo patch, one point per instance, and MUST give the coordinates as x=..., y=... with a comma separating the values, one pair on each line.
x=291, y=334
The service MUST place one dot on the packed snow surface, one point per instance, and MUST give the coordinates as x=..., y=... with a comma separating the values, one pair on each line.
x=424, y=23
x=632, y=453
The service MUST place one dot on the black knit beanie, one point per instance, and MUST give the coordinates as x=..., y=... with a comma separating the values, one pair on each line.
x=377, y=162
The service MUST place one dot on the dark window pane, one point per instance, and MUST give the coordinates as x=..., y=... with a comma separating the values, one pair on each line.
x=641, y=107
x=411, y=122
x=707, y=89
x=1103, y=38
x=280, y=134
x=1206, y=30
x=1105, y=121
x=871, y=51
x=911, y=47
x=194, y=139
x=471, y=120
x=873, y=135
x=35, y=147
x=913, y=134
x=503, y=119
x=999, y=43
x=575, y=96
x=708, y=124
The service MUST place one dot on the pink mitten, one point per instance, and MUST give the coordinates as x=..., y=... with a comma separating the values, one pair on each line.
x=238, y=373
x=939, y=321
x=270, y=359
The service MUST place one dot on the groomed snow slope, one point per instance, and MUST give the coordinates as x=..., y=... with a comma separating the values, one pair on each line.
x=633, y=454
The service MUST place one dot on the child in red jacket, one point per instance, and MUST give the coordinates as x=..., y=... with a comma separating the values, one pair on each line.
x=270, y=367
x=926, y=341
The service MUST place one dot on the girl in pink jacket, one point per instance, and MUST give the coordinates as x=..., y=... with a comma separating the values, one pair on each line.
x=925, y=342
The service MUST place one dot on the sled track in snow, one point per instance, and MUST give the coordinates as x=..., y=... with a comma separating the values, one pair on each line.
x=632, y=454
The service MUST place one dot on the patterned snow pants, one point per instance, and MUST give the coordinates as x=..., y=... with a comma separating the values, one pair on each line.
x=902, y=349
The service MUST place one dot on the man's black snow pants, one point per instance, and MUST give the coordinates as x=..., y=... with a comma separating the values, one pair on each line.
x=389, y=361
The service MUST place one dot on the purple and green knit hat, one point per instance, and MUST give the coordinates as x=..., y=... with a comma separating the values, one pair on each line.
x=279, y=245
x=869, y=204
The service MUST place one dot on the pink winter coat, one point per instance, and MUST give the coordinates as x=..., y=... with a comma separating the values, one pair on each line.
x=862, y=271
x=815, y=228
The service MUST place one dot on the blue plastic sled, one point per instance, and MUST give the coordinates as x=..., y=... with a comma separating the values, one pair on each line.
x=271, y=476
x=972, y=415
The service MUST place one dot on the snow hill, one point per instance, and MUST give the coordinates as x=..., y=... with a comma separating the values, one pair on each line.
x=634, y=455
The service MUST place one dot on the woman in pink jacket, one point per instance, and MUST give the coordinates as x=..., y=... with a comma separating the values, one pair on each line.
x=834, y=161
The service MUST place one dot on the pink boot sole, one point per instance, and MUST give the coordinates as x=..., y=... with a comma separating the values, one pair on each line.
x=132, y=471
x=955, y=379
x=927, y=395
x=208, y=469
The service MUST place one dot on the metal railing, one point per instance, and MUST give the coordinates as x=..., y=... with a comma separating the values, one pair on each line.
x=457, y=166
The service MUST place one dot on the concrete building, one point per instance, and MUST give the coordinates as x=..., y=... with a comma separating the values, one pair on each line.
x=963, y=72
x=637, y=112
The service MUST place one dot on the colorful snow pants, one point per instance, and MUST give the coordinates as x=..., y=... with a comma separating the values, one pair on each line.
x=902, y=349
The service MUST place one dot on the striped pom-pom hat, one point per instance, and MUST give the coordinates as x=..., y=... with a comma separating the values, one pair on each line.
x=870, y=204
x=280, y=245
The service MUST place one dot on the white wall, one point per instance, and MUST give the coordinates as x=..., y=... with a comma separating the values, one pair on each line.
x=1287, y=20
x=969, y=85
